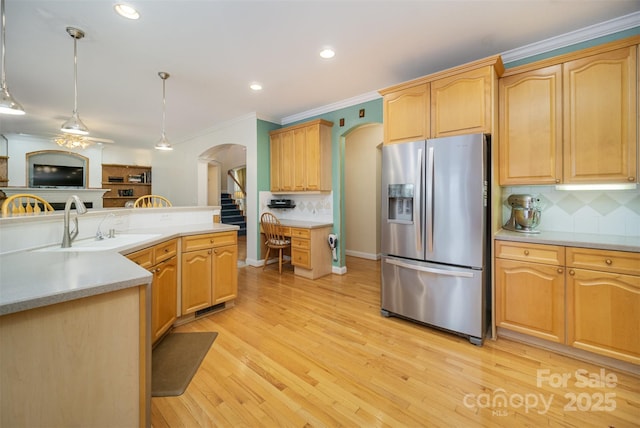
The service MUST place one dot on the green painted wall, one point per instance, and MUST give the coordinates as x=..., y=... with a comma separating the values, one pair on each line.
x=263, y=174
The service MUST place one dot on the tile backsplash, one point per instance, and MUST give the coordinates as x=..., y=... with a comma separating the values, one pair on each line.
x=610, y=212
x=309, y=207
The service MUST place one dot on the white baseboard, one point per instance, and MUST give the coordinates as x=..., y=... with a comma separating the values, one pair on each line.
x=362, y=255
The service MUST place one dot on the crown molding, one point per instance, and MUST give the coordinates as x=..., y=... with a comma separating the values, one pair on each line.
x=605, y=28
x=369, y=96
x=591, y=32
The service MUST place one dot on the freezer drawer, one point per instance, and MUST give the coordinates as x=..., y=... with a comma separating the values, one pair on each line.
x=443, y=296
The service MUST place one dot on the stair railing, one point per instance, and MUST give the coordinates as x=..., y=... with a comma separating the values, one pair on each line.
x=233, y=177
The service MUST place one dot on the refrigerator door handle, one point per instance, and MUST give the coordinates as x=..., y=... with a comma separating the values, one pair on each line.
x=429, y=269
x=429, y=185
x=417, y=203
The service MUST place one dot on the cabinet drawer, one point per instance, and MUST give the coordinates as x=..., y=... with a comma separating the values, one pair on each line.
x=535, y=253
x=604, y=260
x=208, y=240
x=303, y=244
x=300, y=233
x=165, y=251
x=143, y=257
x=301, y=258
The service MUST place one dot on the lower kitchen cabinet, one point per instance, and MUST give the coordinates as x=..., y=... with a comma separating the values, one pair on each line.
x=592, y=304
x=603, y=302
x=530, y=296
x=209, y=270
x=162, y=262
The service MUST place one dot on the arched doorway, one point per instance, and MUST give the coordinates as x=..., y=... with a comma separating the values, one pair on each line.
x=221, y=187
x=362, y=191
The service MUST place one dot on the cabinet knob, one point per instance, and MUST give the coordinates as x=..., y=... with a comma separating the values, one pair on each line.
x=572, y=272
x=631, y=179
x=166, y=250
x=608, y=261
x=559, y=270
x=209, y=252
x=215, y=251
x=526, y=252
x=211, y=241
x=557, y=180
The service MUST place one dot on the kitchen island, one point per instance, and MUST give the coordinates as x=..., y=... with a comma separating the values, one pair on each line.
x=75, y=324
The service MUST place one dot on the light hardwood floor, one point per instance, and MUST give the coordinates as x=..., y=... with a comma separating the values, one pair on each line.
x=296, y=353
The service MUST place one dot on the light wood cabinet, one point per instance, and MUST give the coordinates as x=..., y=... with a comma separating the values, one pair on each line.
x=406, y=114
x=300, y=157
x=530, y=117
x=600, y=118
x=591, y=301
x=275, y=157
x=571, y=118
x=127, y=183
x=530, y=295
x=162, y=262
x=209, y=270
x=310, y=252
x=460, y=100
x=463, y=104
x=603, y=302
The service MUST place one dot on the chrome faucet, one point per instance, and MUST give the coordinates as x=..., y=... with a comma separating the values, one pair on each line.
x=67, y=235
x=99, y=234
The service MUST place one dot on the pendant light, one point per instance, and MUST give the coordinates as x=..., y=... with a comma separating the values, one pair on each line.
x=8, y=105
x=74, y=125
x=163, y=144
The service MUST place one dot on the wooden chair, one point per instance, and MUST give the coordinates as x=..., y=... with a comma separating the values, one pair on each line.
x=24, y=204
x=274, y=237
x=151, y=201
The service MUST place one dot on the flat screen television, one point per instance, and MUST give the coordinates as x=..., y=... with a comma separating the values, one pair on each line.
x=57, y=176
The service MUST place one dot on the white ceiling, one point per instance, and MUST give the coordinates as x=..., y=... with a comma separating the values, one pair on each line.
x=215, y=49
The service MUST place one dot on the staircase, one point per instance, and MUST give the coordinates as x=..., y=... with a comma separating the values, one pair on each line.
x=230, y=214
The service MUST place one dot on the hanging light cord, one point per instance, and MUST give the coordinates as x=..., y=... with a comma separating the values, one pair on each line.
x=4, y=81
x=75, y=74
x=164, y=105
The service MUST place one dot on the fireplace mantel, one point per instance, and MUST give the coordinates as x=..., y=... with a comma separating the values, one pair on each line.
x=60, y=195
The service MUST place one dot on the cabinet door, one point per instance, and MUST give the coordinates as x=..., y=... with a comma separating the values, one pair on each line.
x=299, y=159
x=530, y=299
x=600, y=118
x=603, y=313
x=462, y=104
x=406, y=114
x=313, y=161
x=530, y=144
x=287, y=162
x=225, y=273
x=275, y=156
x=164, y=297
x=196, y=280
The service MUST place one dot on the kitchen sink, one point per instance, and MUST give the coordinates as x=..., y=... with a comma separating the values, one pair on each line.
x=93, y=244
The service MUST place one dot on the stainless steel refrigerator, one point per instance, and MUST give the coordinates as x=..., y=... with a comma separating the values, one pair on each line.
x=434, y=233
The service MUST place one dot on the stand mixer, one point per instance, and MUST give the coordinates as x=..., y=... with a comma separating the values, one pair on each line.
x=525, y=214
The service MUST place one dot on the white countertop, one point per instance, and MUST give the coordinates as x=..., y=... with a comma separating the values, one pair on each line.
x=31, y=279
x=304, y=224
x=585, y=240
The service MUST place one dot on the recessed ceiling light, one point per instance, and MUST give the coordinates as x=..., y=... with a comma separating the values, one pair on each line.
x=126, y=11
x=327, y=53
x=256, y=86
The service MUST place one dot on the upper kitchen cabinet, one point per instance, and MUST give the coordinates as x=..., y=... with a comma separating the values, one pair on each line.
x=571, y=118
x=301, y=158
x=406, y=114
x=530, y=144
x=463, y=103
x=600, y=117
x=456, y=101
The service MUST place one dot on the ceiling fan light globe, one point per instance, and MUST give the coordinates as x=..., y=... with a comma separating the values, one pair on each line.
x=8, y=105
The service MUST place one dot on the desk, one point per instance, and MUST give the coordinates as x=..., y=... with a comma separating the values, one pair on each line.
x=310, y=252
